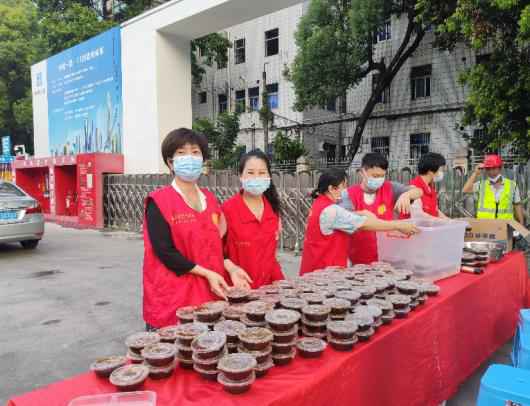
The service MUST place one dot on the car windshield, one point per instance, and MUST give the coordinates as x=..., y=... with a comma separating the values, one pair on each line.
x=9, y=190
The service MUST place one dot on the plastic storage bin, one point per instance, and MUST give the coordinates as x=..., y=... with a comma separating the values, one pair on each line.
x=143, y=398
x=503, y=385
x=433, y=254
x=521, y=342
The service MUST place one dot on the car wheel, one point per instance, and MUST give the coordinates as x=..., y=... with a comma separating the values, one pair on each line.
x=30, y=244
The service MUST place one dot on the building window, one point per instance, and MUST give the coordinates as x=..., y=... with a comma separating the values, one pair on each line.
x=330, y=151
x=272, y=42
x=272, y=93
x=385, y=32
x=420, y=81
x=384, y=97
x=331, y=105
x=419, y=145
x=223, y=103
x=203, y=98
x=253, y=98
x=241, y=104
x=240, y=54
x=381, y=145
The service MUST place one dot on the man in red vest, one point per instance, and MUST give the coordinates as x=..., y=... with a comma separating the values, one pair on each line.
x=378, y=196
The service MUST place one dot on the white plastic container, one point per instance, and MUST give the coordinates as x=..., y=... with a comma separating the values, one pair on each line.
x=143, y=398
x=435, y=253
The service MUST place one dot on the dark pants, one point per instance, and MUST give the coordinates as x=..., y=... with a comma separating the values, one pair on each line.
x=149, y=327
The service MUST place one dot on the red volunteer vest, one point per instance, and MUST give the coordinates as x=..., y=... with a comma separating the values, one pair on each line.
x=321, y=251
x=429, y=200
x=196, y=236
x=251, y=243
x=363, y=244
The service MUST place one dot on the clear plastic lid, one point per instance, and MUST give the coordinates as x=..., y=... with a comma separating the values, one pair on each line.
x=343, y=327
x=259, y=307
x=256, y=335
x=129, y=375
x=316, y=310
x=223, y=380
x=140, y=340
x=106, y=363
x=210, y=341
x=190, y=330
x=159, y=351
x=282, y=317
x=293, y=303
x=338, y=303
x=370, y=310
x=230, y=327
x=237, y=363
x=168, y=332
x=237, y=293
x=311, y=344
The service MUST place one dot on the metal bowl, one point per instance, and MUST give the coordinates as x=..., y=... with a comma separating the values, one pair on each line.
x=494, y=250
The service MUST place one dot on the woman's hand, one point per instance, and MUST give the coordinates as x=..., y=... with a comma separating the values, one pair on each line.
x=403, y=204
x=239, y=277
x=407, y=228
x=217, y=283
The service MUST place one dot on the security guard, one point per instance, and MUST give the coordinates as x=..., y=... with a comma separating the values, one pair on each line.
x=497, y=197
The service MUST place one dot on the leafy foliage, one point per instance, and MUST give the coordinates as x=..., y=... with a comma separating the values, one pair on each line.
x=287, y=149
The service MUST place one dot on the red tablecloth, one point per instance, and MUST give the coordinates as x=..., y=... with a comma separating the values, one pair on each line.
x=417, y=361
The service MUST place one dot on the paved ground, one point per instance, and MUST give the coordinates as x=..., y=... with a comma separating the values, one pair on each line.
x=76, y=297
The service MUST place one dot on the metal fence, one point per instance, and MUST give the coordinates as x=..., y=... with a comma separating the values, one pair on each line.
x=124, y=195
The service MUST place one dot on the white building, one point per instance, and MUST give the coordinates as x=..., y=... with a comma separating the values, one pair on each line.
x=420, y=112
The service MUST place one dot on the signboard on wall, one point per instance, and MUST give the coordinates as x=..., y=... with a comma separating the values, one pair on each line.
x=85, y=97
x=6, y=145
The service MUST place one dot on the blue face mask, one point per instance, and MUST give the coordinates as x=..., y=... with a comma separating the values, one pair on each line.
x=256, y=186
x=188, y=167
x=374, y=183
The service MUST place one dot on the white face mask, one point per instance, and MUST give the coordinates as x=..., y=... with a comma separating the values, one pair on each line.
x=438, y=177
x=495, y=179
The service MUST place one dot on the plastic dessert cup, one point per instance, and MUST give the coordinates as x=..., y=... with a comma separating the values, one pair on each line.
x=237, y=367
x=284, y=359
x=255, y=311
x=232, y=329
x=261, y=357
x=313, y=333
x=285, y=336
x=313, y=298
x=207, y=364
x=103, y=367
x=209, y=312
x=342, y=330
x=208, y=375
x=160, y=354
x=407, y=288
x=399, y=301
x=233, y=312
x=237, y=295
x=351, y=295
x=293, y=303
x=209, y=345
x=136, y=342
x=366, y=334
x=168, y=334
x=185, y=362
x=262, y=369
x=316, y=313
x=284, y=348
x=342, y=345
x=129, y=378
x=256, y=338
x=186, y=333
x=364, y=322
x=161, y=372
x=339, y=307
x=310, y=347
x=236, y=387
x=282, y=320
x=134, y=358
x=186, y=314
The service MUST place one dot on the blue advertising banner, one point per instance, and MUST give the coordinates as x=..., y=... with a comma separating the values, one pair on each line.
x=85, y=97
x=6, y=145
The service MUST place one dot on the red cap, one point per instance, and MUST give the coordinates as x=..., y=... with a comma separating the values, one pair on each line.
x=492, y=161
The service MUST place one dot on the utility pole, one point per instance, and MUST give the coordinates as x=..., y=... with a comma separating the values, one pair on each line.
x=265, y=116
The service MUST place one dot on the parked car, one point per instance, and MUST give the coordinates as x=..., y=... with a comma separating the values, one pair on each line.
x=21, y=218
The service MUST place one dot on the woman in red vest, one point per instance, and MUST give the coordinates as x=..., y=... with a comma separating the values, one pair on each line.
x=253, y=222
x=430, y=171
x=378, y=196
x=329, y=226
x=183, y=252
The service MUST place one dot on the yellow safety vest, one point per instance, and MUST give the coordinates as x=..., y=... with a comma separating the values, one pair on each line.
x=488, y=208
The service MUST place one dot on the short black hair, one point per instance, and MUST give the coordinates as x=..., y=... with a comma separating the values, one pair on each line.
x=178, y=138
x=431, y=161
x=330, y=177
x=374, y=160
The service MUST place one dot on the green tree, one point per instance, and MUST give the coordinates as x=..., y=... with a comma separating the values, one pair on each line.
x=222, y=136
x=287, y=149
x=63, y=29
x=336, y=42
x=20, y=47
x=499, y=85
